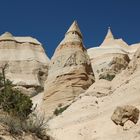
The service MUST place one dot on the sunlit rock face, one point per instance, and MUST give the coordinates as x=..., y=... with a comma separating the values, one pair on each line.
x=110, y=58
x=27, y=62
x=70, y=71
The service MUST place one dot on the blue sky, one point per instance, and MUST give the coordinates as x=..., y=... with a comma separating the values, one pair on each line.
x=48, y=20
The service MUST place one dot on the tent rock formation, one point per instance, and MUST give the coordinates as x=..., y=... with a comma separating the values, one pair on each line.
x=70, y=71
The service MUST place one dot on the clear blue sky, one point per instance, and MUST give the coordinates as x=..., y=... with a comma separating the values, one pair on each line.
x=48, y=20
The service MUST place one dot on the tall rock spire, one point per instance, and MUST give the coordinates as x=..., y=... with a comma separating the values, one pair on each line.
x=70, y=70
x=109, y=37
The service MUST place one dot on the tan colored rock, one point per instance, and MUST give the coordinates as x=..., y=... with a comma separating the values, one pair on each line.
x=28, y=63
x=70, y=71
x=99, y=89
x=109, y=38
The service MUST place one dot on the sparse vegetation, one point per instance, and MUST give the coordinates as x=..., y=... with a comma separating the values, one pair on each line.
x=35, y=124
x=59, y=110
x=107, y=76
x=11, y=124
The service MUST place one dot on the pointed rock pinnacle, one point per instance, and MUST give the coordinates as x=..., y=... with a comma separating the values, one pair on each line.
x=73, y=34
x=109, y=37
x=74, y=28
x=109, y=34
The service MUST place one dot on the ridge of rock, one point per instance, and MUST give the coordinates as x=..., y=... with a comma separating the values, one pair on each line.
x=27, y=39
x=8, y=36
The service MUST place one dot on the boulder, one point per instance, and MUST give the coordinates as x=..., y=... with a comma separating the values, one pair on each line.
x=122, y=114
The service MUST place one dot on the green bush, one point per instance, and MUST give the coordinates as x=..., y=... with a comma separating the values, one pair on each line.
x=12, y=100
x=15, y=103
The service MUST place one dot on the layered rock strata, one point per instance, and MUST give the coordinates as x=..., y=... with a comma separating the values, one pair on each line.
x=27, y=62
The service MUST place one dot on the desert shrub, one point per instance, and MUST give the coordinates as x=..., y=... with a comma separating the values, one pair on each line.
x=35, y=124
x=58, y=111
x=11, y=124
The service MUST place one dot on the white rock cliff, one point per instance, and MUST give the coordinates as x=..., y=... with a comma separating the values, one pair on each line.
x=27, y=62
